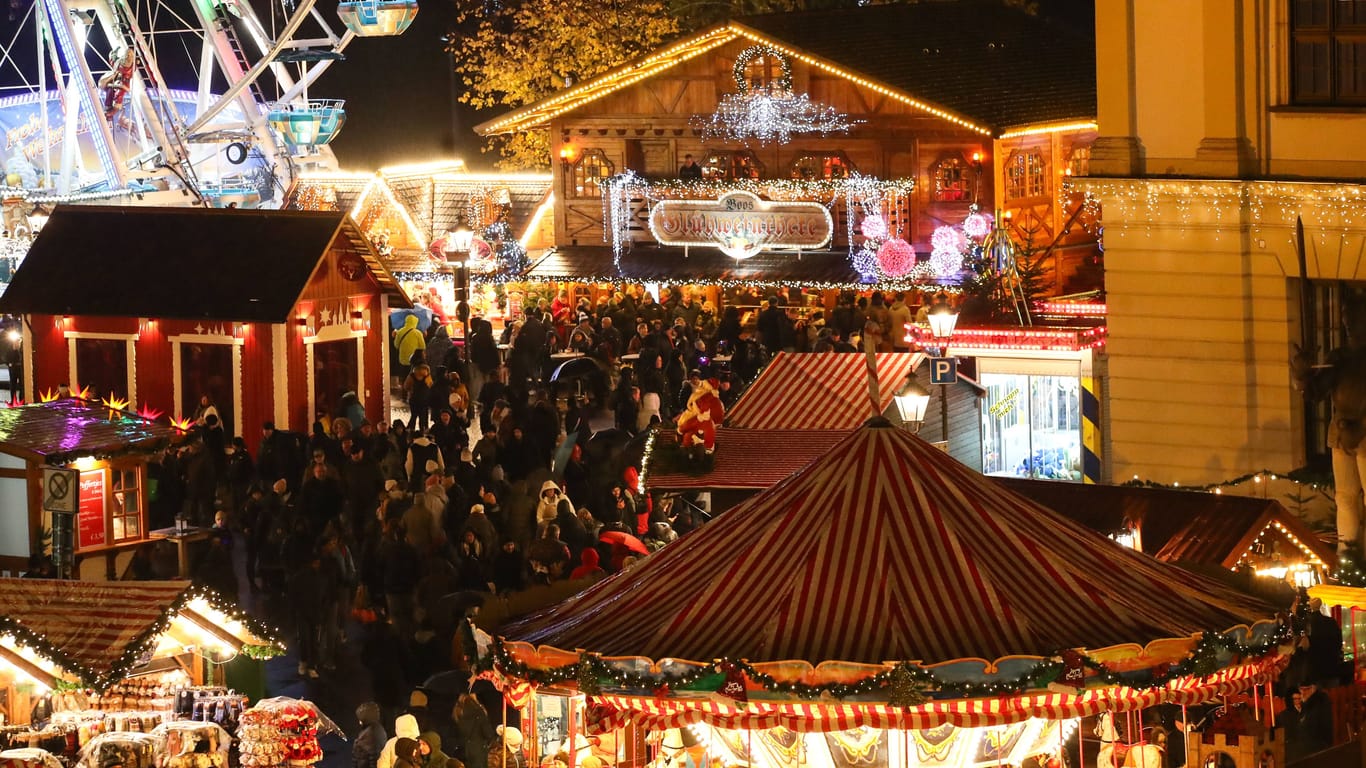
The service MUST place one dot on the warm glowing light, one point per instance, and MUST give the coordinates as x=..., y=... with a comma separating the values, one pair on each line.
x=149, y=413
x=1033, y=339
x=182, y=424
x=1033, y=130
x=85, y=463
x=542, y=210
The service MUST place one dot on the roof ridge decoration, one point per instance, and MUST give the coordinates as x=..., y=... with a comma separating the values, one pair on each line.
x=539, y=114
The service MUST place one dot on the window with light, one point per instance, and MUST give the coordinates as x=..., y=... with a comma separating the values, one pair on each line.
x=1026, y=174
x=810, y=166
x=724, y=165
x=1032, y=426
x=590, y=173
x=127, y=510
x=1328, y=52
x=1079, y=162
x=764, y=73
x=953, y=180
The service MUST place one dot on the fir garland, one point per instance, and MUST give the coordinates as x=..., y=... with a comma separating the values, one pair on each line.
x=262, y=652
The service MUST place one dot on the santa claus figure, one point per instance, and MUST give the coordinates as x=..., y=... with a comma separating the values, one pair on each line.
x=697, y=424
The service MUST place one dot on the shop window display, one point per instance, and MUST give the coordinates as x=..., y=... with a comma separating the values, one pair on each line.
x=1032, y=426
x=952, y=180
x=1026, y=174
x=728, y=166
x=821, y=165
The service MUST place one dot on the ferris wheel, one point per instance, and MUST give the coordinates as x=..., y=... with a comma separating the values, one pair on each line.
x=173, y=102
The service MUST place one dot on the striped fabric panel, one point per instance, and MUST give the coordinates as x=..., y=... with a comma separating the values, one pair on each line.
x=93, y=623
x=615, y=711
x=887, y=549
x=819, y=391
x=753, y=458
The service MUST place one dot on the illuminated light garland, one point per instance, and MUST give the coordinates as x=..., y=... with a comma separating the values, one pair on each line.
x=906, y=284
x=977, y=225
x=946, y=262
x=769, y=117
x=1202, y=660
x=1034, y=130
x=761, y=50
x=1301, y=476
x=896, y=257
x=1070, y=308
x=1032, y=339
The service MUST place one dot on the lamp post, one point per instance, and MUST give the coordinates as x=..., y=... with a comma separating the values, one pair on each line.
x=457, y=250
x=911, y=402
x=942, y=319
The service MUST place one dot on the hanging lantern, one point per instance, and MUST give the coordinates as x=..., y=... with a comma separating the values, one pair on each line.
x=896, y=257
x=378, y=18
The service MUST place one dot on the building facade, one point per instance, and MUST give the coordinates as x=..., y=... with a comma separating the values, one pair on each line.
x=1220, y=124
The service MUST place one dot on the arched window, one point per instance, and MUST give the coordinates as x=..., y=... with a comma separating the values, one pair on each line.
x=821, y=165
x=953, y=180
x=729, y=165
x=760, y=68
x=1026, y=174
x=1079, y=162
x=590, y=172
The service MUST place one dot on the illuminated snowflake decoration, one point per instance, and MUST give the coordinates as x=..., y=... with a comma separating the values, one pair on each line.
x=770, y=117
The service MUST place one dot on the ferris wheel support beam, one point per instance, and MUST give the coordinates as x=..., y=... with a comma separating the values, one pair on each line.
x=250, y=76
x=316, y=70
x=60, y=22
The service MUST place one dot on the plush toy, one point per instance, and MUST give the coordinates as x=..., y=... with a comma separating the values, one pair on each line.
x=697, y=424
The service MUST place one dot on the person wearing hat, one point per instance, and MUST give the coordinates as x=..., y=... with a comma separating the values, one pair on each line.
x=370, y=742
x=506, y=750
x=406, y=728
x=406, y=754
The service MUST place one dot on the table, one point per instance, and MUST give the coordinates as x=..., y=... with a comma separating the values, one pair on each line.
x=182, y=540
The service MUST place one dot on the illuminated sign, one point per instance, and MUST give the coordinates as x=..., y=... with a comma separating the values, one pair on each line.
x=741, y=224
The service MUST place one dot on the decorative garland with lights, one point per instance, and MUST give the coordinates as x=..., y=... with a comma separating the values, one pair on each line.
x=144, y=642
x=262, y=652
x=762, y=50
x=590, y=668
x=1302, y=476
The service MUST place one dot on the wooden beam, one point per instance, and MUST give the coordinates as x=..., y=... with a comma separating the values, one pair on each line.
x=27, y=667
x=203, y=624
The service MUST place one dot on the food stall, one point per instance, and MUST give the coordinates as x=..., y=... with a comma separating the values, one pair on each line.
x=82, y=661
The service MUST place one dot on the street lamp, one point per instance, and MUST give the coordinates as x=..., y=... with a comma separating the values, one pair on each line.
x=911, y=402
x=943, y=318
x=457, y=249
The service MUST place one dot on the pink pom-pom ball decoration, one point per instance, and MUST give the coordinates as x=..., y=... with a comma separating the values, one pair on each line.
x=947, y=238
x=874, y=227
x=977, y=225
x=896, y=257
x=946, y=263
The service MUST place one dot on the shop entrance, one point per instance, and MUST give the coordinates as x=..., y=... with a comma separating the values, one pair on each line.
x=206, y=369
x=336, y=371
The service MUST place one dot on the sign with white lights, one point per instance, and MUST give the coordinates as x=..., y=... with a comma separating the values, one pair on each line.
x=741, y=224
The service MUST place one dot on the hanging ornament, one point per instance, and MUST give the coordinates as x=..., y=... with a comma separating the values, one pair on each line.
x=947, y=238
x=865, y=263
x=874, y=227
x=977, y=225
x=946, y=263
x=896, y=257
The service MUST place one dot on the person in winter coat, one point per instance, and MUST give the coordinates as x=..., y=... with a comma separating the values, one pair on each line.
x=406, y=754
x=429, y=746
x=365, y=752
x=408, y=340
x=476, y=732
x=509, y=569
x=405, y=728
x=424, y=458
x=506, y=750
x=548, y=508
x=417, y=389
x=588, y=566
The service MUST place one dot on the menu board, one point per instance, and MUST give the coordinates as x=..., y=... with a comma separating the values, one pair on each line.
x=90, y=531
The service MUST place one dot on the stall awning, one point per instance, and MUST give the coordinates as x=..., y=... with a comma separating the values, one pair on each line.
x=827, y=390
x=99, y=632
x=696, y=266
x=745, y=459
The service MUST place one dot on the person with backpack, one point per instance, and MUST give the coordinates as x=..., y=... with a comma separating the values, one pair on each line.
x=417, y=389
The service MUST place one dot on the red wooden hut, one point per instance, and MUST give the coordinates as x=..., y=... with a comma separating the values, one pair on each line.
x=272, y=314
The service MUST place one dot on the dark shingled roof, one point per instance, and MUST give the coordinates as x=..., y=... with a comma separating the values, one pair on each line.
x=995, y=65
x=184, y=263
x=64, y=430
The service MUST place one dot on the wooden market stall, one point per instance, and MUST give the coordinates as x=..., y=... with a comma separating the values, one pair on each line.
x=84, y=658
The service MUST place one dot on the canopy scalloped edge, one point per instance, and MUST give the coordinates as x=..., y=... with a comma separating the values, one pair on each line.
x=608, y=712
x=1130, y=660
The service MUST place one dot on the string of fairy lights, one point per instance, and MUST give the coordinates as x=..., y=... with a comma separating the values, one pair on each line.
x=904, y=683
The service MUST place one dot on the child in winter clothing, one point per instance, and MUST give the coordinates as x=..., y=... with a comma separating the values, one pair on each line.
x=365, y=752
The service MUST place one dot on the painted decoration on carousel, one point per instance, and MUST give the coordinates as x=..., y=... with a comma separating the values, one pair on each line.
x=741, y=224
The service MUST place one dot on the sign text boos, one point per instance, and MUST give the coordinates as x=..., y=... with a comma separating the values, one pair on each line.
x=741, y=215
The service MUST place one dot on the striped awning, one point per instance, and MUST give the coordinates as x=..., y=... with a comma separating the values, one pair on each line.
x=99, y=631
x=883, y=549
x=748, y=459
x=826, y=390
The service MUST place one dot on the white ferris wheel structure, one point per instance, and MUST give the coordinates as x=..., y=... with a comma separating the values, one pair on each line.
x=173, y=102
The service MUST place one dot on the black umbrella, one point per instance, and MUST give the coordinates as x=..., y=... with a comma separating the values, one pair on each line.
x=448, y=684
x=460, y=603
x=578, y=368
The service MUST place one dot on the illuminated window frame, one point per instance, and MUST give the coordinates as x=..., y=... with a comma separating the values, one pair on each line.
x=734, y=161
x=125, y=483
x=1026, y=174
x=953, y=180
x=761, y=68
x=589, y=173
x=828, y=164
x=1079, y=162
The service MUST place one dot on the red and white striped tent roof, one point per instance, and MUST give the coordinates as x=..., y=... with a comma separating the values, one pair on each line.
x=99, y=631
x=825, y=390
x=749, y=459
x=887, y=549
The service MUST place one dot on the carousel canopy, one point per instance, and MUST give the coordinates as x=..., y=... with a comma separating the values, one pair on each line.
x=823, y=390
x=887, y=549
x=98, y=633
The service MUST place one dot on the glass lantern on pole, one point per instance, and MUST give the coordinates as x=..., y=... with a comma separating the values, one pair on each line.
x=458, y=243
x=911, y=402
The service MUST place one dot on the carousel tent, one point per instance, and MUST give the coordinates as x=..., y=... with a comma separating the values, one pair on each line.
x=888, y=549
x=96, y=633
x=827, y=390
